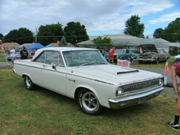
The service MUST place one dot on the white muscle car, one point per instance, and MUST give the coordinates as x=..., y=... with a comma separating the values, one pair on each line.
x=85, y=75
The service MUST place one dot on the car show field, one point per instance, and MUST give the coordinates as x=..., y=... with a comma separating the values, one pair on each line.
x=43, y=111
x=46, y=111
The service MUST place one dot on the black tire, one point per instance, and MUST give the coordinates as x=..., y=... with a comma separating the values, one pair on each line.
x=28, y=83
x=89, y=103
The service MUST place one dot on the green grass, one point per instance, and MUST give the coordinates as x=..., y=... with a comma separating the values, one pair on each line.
x=3, y=57
x=153, y=65
x=42, y=112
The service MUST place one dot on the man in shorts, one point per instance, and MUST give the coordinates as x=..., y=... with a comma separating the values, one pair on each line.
x=175, y=71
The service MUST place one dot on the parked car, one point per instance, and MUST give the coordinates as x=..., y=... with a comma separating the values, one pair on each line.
x=103, y=52
x=84, y=74
x=149, y=53
x=123, y=54
x=17, y=56
x=177, y=57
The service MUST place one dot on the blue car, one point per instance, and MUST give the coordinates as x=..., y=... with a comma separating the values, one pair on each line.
x=123, y=54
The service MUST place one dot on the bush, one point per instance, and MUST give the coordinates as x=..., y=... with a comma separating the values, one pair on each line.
x=174, y=51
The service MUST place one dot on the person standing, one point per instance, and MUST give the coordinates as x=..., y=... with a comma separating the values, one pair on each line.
x=111, y=55
x=175, y=71
x=12, y=54
x=24, y=53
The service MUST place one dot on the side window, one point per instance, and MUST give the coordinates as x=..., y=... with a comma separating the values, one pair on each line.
x=53, y=57
x=41, y=58
x=164, y=51
x=161, y=51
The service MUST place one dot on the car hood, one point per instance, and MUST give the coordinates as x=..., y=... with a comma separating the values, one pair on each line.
x=114, y=74
x=148, y=54
x=148, y=48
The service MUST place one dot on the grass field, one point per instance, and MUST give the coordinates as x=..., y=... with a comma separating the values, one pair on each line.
x=42, y=112
x=2, y=57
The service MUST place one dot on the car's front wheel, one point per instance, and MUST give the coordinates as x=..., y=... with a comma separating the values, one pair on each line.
x=28, y=83
x=89, y=103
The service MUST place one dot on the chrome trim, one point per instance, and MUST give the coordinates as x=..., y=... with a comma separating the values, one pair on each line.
x=132, y=99
x=139, y=86
x=13, y=69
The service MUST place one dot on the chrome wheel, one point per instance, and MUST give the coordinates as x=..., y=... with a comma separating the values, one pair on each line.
x=88, y=102
x=28, y=83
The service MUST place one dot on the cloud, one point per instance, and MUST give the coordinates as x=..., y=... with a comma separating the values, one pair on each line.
x=96, y=15
x=165, y=18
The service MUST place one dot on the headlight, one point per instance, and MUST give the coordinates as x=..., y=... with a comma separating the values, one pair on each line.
x=160, y=81
x=119, y=91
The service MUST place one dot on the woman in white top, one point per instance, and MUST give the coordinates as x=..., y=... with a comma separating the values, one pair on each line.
x=12, y=54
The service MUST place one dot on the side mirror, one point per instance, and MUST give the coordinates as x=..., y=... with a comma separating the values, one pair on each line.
x=54, y=66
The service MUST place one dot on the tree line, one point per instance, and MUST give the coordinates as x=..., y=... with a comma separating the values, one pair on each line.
x=75, y=32
x=171, y=33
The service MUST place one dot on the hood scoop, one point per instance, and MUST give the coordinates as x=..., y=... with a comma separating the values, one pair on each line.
x=125, y=72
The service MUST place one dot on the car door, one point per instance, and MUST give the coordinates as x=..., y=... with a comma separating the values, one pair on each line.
x=53, y=73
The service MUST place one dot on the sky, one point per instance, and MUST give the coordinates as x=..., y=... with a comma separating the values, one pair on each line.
x=100, y=17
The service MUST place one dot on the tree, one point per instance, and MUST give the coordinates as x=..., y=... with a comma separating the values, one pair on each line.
x=172, y=32
x=63, y=42
x=50, y=33
x=102, y=43
x=75, y=32
x=22, y=35
x=134, y=27
x=1, y=36
x=157, y=33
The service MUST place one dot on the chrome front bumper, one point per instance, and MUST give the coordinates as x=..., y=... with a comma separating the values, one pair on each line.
x=126, y=101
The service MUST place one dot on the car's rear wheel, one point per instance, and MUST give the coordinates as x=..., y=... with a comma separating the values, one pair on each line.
x=28, y=83
x=89, y=103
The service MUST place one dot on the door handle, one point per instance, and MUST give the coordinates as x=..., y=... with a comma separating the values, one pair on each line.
x=71, y=80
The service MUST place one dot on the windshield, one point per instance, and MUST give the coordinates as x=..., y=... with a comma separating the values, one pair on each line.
x=83, y=58
x=120, y=51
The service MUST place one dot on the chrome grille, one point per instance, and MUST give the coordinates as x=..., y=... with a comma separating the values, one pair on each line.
x=139, y=85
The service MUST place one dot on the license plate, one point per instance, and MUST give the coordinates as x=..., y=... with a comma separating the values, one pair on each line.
x=141, y=100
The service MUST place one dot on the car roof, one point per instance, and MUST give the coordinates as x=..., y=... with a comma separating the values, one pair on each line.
x=61, y=49
x=67, y=48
